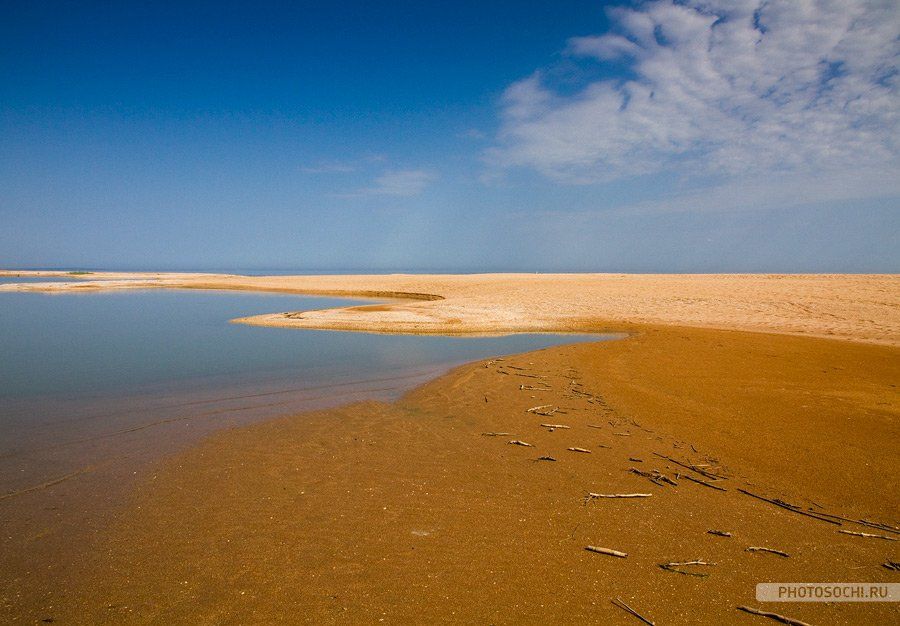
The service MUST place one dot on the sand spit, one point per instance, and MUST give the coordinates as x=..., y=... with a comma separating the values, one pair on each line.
x=863, y=308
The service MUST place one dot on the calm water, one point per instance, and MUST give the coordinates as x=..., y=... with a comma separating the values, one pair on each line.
x=84, y=344
x=130, y=375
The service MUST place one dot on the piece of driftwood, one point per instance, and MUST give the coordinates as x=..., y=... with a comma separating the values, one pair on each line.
x=880, y=525
x=555, y=426
x=694, y=468
x=655, y=476
x=594, y=426
x=769, y=550
x=861, y=522
x=618, y=495
x=703, y=482
x=894, y=566
x=850, y=532
x=623, y=434
x=720, y=533
x=545, y=458
x=775, y=616
x=516, y=442
x=674, y=567
x=790, y=507
x=607, y=551
x=635, y=459
x=585, y=451
x=492, y=434
x=543, y=409
x=619, y=603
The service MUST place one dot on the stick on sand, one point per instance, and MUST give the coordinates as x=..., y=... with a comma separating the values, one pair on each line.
x=774, y=616
x=608, y=551
x=619, y=495
x=769, y=550
x=617, y=602
x=850, y=532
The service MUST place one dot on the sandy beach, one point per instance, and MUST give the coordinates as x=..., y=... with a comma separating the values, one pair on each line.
x=763, y=408
x=853, y=307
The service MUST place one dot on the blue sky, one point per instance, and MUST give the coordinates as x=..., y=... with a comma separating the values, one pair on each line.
x=532, y=136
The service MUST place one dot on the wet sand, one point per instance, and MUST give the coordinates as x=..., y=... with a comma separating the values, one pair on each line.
x=421, y=510
x=412, y=512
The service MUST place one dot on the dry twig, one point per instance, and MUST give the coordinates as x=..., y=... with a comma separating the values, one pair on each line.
x=720, y=533
x=775, y=616
x=850, y=532
x=516, y=442
x=619, y=603
x=673, y=567
x=694, y=468
x=790, y=507
x=618, y=495
x=769, y=550
x=703, y=482
x=585, y=451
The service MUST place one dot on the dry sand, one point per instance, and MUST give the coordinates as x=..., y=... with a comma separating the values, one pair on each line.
x=409, y=513
x=855, y=307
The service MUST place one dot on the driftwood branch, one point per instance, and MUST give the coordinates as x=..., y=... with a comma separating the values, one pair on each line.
x=790, y=507
x=862, y=522
x=619, y=495
x=720, y=533
x=555, y=426
x=543, y=409
x=494, y=434
x=850, y=532
x=674, y=567
x=619, y=603
x=655, y=477
x=693, y=468
x=583, y=450
x=775, y=616
x=607, y=551
x=516, y=442
x=703, y=482
x=769, y=550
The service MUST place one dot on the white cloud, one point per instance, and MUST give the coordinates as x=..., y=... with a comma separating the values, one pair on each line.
x=399, y=183
x=725, y=88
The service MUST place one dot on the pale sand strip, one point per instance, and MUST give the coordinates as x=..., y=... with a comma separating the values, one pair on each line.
x=864, y=308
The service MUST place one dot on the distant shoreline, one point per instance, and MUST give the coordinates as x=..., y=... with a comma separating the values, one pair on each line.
x=851, y=307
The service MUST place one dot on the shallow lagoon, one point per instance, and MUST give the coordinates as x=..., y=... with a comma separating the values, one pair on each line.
x=126, y=377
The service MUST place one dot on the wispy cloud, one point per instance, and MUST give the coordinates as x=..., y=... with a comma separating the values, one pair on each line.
x=730, y=89
x=329, y=168
x=399, y=183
